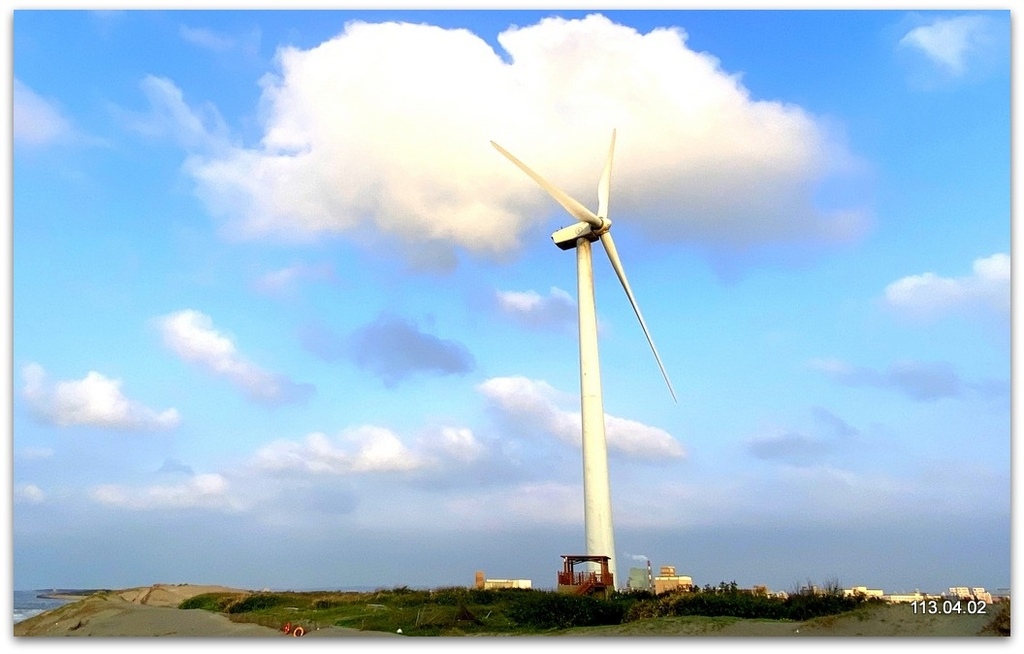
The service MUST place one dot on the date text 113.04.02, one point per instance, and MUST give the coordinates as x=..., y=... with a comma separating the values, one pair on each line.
x=949, y=607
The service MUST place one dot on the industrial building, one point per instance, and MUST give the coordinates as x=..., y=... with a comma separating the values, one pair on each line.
x=644, y=579
x=669, y=580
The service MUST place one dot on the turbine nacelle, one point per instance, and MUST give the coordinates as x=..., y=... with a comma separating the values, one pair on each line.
x=567, y=237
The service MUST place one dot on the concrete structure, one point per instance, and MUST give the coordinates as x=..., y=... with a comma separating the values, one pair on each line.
x=669, y=580
x=483, y=583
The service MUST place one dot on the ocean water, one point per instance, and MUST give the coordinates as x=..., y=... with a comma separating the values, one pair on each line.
x=27, y=603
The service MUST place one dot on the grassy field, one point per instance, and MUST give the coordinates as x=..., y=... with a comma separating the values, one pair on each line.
x=470, y=612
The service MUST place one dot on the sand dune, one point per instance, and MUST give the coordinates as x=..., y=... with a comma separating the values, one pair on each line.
x=151, y=611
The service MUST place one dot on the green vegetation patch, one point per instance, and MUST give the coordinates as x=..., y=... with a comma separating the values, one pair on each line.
x=216, y=602
x=455, y=611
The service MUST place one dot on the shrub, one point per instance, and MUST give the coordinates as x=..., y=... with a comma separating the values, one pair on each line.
x=451, y=596
x=1000, y=624
x=257, y=602
x=215, y=602
x=728, y=600
x=561, y=611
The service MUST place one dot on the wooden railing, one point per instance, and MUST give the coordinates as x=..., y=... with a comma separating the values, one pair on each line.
x=589, y=579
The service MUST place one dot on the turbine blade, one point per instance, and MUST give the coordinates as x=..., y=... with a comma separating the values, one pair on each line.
x=613, y=256
x=572, y=206
x=604, y=190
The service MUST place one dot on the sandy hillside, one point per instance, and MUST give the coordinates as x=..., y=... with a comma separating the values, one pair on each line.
x=150, y=611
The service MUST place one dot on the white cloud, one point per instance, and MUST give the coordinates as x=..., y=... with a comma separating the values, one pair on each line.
x=28, y=494
x=38, y=122
x=557, y=309
x=638, y=440
x=364, y=449
x=206, y=38
x=219, y=42
x=928, y=296
x=33, y=453
x=457, y=443
x=196, y=129
x=383, y=131
x=951, y=43
x=207, y=491
x=94, y=401
x=190, y=335
x=534, y=405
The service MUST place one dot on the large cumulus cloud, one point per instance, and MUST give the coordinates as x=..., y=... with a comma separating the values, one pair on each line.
x=382, y=134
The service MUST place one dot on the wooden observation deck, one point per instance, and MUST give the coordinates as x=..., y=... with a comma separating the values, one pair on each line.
x=585, y=583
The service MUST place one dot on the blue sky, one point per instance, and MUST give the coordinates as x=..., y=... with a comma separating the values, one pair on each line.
x=283, y=317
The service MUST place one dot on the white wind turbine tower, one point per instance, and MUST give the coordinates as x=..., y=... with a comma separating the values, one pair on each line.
x=597, y=503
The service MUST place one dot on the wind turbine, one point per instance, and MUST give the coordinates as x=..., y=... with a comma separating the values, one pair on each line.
x=597, y=503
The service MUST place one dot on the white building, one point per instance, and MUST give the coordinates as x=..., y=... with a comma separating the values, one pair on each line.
x=865, y=591
x=487, y=584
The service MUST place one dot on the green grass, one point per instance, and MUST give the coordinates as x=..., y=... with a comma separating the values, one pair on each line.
x=440, y=612
x=458, y=611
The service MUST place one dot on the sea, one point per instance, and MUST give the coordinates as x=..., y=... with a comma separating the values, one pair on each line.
x=28, y=603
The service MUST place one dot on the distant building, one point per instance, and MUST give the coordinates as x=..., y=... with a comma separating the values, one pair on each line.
x=976, y=593
x=483, y=583
x=865, y=591
x=640, y=579
x=507, y=583
x=669, y=580
x=905, y=598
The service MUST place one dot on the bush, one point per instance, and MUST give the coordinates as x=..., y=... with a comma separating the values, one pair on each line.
x=561, y=611
x=402, y=596
x=215, y=602
x=729, y=601
x=1000, y=624
x=257, y=602
x=451, y=596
